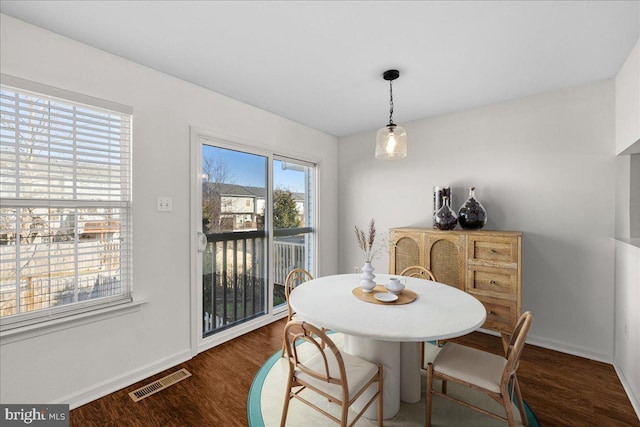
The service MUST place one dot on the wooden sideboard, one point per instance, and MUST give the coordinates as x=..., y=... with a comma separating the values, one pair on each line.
x=486, y=264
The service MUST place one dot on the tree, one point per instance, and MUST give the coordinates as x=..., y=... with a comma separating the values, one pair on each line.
x=285, y=211
x=215, y=172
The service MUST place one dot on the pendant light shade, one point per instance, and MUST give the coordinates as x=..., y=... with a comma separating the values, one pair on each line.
x=391, y=143
x=391, y=140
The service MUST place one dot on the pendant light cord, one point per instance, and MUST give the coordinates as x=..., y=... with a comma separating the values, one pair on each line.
x=390, y=103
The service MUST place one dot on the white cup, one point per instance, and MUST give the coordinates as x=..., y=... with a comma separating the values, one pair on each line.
x=395, y=285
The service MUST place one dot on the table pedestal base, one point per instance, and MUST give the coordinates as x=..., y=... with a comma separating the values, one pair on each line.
x=401, y=376
x=410, y=372
x=388, y=354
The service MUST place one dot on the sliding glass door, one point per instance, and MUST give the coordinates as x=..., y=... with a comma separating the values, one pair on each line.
x=293, y=221
x=253, y=212
x=234, y=262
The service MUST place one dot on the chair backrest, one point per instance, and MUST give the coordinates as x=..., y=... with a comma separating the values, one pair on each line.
x=419, y=272
x=516, y=344
x=294, y=278
x=332, y=370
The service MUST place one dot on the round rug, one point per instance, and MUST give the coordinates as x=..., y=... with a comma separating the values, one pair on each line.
x=266, y=397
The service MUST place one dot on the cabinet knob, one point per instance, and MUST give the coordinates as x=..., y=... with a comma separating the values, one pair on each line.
x=492, y=282
x=493, y=251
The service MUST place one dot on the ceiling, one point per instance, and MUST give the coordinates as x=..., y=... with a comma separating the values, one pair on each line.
x=321, y=63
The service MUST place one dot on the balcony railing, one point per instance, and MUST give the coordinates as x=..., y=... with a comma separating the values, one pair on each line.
x=287, y=256
x=233, y=279
x=234, y=282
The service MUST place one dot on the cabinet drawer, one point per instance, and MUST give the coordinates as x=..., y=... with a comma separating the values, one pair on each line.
x=504, y=250
x=488, y=281
x=501, y=315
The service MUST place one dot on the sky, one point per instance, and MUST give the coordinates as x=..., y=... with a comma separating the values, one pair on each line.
x=249, y=169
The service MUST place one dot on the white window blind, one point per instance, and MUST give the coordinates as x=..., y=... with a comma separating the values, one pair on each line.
x=65, y=203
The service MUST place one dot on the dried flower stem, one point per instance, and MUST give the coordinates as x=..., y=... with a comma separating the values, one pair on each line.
x=366, y=242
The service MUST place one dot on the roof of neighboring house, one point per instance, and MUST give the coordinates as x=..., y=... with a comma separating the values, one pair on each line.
x=237, y=190
x=247, y=191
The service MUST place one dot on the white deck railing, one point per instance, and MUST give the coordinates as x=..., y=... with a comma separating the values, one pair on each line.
x=287, y=256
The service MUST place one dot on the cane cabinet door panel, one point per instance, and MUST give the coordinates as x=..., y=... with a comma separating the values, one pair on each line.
x=407, y=249
x=445, y=258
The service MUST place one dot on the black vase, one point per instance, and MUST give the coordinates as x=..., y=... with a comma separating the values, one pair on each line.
x=472, y=215
x=438, y=194
x=445, y=218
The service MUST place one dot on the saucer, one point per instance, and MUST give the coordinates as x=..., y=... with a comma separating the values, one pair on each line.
x=385, y=297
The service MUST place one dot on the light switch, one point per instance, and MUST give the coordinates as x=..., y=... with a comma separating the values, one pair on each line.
x=165, y=204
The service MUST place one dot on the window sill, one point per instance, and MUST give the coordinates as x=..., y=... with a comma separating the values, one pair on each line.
x=52, y=326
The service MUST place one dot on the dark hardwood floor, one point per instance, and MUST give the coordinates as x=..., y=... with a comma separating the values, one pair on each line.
x=561, y=389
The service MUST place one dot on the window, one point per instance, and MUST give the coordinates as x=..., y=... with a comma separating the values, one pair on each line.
x=65, y=203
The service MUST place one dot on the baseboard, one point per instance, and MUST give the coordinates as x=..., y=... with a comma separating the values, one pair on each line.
x=561, y=347
x=564, y=348
x=114, y=384
x=627, y=385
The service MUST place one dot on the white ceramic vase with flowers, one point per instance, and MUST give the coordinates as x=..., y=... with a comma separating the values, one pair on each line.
x=367, y=244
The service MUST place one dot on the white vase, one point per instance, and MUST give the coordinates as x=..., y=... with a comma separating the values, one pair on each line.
x=367, y=278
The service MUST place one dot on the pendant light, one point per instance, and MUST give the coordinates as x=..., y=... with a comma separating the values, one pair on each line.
x=391, y=140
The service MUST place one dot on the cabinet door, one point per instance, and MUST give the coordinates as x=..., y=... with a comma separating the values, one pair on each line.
x=407, y=250
x=445, y=258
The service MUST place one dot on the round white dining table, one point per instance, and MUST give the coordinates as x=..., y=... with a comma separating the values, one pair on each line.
x=388, y=333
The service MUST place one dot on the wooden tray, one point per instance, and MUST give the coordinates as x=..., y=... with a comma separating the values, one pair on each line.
x=405, y=297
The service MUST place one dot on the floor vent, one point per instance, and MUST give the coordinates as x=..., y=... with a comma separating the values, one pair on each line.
x=158, y=385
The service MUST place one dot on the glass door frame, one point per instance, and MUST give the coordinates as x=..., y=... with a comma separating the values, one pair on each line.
x=310, y=214
x=197, y=138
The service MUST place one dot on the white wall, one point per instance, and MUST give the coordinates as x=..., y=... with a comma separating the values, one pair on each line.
x=627, y=278
x=543, y=165
x=623, y=196
x=627, y=319
x=634, y=195
x=84, y=362
x=627, y=127
x=627, y=103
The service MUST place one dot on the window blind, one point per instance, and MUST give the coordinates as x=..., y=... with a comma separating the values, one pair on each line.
x=65, y=204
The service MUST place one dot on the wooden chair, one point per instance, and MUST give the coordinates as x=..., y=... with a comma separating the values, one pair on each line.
x=419, y=272
x=294, y=278
x=339, y=377
x=492, y=374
